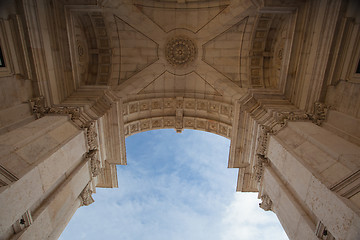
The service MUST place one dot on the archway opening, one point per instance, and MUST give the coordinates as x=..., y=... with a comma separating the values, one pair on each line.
x=175, y=186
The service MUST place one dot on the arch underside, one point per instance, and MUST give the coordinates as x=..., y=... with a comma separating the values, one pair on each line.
x=236, y=48
x=178, y=113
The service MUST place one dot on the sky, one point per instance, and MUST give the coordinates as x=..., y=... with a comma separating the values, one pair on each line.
x=175, y=186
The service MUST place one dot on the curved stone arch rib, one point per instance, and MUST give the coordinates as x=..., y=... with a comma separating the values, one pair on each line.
x=195, y=123
x=179, y=113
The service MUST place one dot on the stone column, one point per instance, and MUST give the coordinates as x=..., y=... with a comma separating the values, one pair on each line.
x=320, y=172
x=43, y=170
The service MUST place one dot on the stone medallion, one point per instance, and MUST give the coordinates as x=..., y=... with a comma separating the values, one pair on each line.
x=180, y=51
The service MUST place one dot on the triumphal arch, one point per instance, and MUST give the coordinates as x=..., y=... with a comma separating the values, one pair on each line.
x=279, y=78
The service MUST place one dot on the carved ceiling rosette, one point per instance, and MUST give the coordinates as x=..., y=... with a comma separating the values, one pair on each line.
x=180, y=51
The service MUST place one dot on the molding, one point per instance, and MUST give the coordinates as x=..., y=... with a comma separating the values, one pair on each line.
x=349, y=186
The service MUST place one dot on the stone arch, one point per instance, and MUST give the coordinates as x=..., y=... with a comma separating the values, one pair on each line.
x=178, y=113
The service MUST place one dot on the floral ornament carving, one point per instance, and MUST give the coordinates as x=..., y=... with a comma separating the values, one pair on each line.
x=39, y=109
x=85, y=196
x=180, y=51
x=259, y=167
x=94, y=162
x=266, y=203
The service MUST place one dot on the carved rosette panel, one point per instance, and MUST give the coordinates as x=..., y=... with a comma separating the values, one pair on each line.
x=266, y=203
x=180, y=51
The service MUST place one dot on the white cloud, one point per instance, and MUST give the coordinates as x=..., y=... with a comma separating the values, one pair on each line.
x=176, y=186
x=245, y=220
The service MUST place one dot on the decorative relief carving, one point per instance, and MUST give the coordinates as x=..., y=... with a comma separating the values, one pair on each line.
x=144, y=125
x=157, y=123
x=177, y=107
x=85, y=196
x=174, y=103
x=94, y=162
x=169, y=122
x=39, y=109
x=180, y=51
x=266, y=203
x=156, y=104
x=38, y=106
x=201, y=105
x=259, y=167
x=317, y=117
x=320, y=111
x=190, y=122
x=91, y=135
x=262, y=140
x=134, y=128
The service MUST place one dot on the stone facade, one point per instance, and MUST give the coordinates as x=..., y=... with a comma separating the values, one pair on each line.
x=280, y=79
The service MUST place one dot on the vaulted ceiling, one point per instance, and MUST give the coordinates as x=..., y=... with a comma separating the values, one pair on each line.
x=215, y=49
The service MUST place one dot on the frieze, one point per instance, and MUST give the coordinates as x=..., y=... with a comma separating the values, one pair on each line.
x=134, y=107
x=177, y=122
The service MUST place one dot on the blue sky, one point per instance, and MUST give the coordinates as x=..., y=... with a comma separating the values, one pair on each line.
x=175, y=186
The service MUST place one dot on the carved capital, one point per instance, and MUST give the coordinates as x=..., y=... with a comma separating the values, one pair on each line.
x=266, y=203
x=85, y=196
x=259, y=167
x=94, y=162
